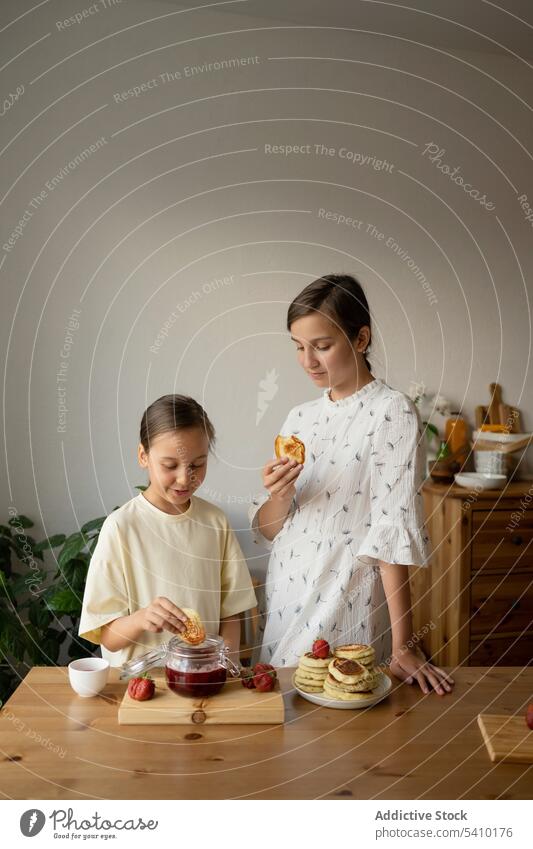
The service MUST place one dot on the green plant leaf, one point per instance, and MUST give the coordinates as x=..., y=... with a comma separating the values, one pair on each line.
x=93, y=525
x=12, y=636
x=141, y=487
x=6, y=588
x=73, y=545
x=5, y=531
x=20, y=548
x=50, y=542
x=20, y=522
x=22, y=583
x=5, y=556
x=74, y=574
x=40, y=615
x=430, y=428
x=64, y=601
x=34, y=641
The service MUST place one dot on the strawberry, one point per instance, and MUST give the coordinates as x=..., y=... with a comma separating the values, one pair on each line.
x=264, y=682
x=265, y=667
x=529, y=716
x=141, y=688
x=247, y=678
x=321, y=648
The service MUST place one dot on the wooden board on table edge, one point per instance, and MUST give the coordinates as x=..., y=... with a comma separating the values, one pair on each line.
x=234, y=705
x=507, y=738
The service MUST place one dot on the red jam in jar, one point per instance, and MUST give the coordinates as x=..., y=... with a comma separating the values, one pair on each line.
x=197, y=671
x=197, y=683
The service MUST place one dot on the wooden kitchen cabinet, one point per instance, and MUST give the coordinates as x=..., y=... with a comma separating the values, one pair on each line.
x=474, y=604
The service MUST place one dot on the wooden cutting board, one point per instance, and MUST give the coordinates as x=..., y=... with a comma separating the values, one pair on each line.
x=507, y=738
x=234, y=705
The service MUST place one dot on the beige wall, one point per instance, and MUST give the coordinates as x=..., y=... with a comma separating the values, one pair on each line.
x=183, y=217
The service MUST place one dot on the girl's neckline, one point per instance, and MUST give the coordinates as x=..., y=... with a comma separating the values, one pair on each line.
x=356, y=396
x=166, y=517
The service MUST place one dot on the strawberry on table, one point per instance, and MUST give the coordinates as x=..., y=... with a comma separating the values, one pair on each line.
x=265, y=667
x=247, y=678
x=141, y=688
x=264, y=682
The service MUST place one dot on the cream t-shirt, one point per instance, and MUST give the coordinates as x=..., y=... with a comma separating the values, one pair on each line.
x=192, y=558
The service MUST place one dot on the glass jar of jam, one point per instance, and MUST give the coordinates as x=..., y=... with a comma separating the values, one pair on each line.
x=196, y=671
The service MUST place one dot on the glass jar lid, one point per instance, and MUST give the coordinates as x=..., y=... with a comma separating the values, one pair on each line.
x=140, y=664
x=213, y=644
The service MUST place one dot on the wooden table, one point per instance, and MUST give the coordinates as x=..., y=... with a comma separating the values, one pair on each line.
x=55, y=745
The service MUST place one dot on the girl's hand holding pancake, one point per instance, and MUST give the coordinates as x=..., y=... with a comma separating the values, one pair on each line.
x=161, y=614
x=279, y=476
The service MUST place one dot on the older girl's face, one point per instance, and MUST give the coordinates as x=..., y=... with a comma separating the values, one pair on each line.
x=325, y=353
x=176, y=464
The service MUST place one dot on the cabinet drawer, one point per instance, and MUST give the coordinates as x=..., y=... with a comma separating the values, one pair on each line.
x=500, y=541
x=501, y=518
x=502, y=651
x=501, y=603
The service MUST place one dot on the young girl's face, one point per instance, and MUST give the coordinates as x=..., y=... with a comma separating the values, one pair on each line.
x=325, y=353
x=176, y=463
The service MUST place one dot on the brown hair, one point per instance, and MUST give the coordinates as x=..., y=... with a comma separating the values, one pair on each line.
x=174, y=412
x=339, y=297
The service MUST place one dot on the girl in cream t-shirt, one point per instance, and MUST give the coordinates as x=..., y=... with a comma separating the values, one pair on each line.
x=166, y=549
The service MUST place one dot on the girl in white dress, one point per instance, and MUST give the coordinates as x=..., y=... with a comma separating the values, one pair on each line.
x=343, y=527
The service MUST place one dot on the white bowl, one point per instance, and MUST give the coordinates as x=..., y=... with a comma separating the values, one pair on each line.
x=478, y=480
x=88, y=675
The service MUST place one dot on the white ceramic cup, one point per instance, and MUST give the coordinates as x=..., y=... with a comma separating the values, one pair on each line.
x=88, y=676
x=490, y=462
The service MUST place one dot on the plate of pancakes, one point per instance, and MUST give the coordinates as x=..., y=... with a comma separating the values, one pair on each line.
x=345, y=679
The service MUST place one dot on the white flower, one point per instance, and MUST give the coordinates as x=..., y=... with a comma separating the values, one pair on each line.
x=416, y=391
x=442, y=405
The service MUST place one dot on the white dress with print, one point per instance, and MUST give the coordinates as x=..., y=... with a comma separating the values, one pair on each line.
x=357, y=502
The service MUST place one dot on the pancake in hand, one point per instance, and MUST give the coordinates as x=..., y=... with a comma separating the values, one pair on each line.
x=290, y=446
x=194, y=633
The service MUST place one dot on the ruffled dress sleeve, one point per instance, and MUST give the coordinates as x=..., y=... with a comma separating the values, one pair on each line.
x=263, y=497
x=397, y=533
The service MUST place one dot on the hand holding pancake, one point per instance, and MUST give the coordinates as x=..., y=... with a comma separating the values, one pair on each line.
x=161, y=614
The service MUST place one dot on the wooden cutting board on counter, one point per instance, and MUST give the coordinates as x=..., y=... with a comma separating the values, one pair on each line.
x=507, y=738
x=234, y=705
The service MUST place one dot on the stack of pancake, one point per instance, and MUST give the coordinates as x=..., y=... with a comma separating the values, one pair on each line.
x=351, y=673
x=311, y=673
x=359, y=652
